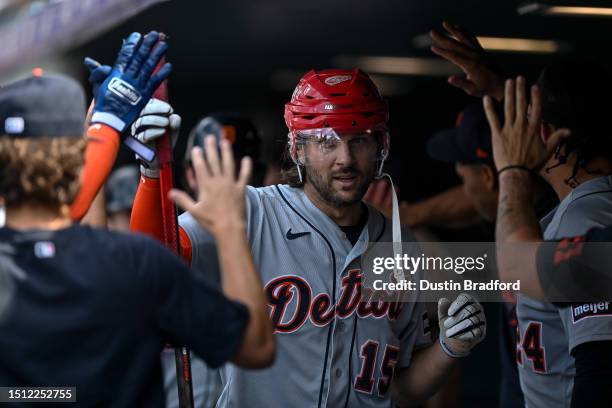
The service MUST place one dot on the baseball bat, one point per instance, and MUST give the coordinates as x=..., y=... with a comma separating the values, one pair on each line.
x=171, y=241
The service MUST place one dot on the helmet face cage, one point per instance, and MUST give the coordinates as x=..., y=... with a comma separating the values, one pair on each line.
x=327, y=141
x=337, y=107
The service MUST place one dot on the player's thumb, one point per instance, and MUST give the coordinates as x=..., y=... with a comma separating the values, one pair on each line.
x=182, y=199
x=443, y=305
x=91, y=64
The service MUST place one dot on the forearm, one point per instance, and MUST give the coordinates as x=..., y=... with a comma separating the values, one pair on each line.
x=100, y=155
x=241, y=282
x=96, y=215
x=428, y=371
x=146, y=215
x=516, y=217
x=450, y=208
x=518, y=232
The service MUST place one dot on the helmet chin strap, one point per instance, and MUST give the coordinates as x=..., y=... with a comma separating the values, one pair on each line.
x=299, y=169
x=396, y=229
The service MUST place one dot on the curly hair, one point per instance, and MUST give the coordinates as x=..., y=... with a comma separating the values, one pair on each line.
x=42, y=171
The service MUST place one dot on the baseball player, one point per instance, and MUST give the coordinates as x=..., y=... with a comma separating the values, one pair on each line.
x=551, y=338
x=564, y=348
x=92, y=308
x=336, y=349
x=119, y=192
x=239, y=130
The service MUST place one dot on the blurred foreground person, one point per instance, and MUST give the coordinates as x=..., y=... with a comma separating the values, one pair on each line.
x=244, y=139
x=92, y=308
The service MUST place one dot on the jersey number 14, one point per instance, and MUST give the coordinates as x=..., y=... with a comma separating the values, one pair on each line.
x=531, y=345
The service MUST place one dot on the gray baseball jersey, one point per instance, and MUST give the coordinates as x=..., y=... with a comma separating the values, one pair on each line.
x=334, y=349
x=549, y=333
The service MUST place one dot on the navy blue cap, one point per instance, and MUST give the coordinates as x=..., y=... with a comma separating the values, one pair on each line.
x=469, y=142
x=42, y=106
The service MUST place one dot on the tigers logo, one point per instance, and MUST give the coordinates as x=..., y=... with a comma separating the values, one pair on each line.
x=337, y=79
x=124, y=90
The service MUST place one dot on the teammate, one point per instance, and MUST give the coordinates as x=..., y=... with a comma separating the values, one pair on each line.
x=245, y=142
x=336, y=349
x=92, y=308
x=239, y=130
x=120, y=190
x=551, y=337
x=567, y=113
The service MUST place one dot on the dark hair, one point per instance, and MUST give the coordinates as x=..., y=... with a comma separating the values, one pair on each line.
x=575, y=95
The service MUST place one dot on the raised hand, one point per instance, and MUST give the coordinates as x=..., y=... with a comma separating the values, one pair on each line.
x=482, y=76
x=518, y=142
x=131, y=83
x=221, y=198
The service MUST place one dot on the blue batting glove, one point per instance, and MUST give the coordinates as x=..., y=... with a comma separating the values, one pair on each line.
x=97, y=74
x=131, y=83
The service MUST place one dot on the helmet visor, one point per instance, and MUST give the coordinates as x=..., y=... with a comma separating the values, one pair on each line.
x=327, y=145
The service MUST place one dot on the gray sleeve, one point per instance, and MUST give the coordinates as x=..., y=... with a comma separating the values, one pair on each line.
x=587, y=322
x=204, y=259
x=204, y=256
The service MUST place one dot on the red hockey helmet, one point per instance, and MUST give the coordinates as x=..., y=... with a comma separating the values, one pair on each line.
x=345, y=100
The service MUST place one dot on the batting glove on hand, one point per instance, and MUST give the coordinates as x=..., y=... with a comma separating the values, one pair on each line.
x=154, y=121
x=462, y=325
x=131, y=83
x=97, y=74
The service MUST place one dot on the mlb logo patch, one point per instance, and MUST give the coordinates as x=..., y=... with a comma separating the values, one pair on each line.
x=590, y=310
x=44, y=249
x=14, y=126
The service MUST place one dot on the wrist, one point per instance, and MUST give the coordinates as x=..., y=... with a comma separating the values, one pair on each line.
x=148, y=172
x=449, y=351
x=514, y=168
x=108, y=119
x=513, y=173
x=229, y=228
x=229, y=231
